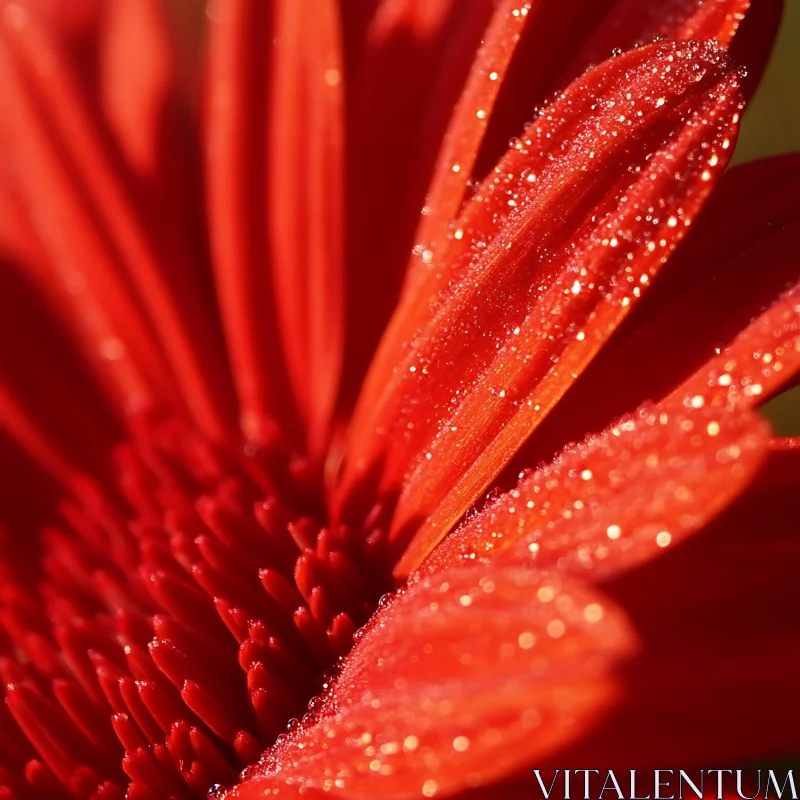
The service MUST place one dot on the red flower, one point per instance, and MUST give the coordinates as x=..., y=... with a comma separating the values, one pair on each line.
x=197, y=589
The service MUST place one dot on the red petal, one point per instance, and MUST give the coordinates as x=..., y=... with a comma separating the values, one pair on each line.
x=708, y=612
x=279, y=284
x=234, y=134
x=305, y=203
x=466, y=128
x=99, y=303
x=535, y=305
x=705, y=295
x=759, y=361
x=137, y=75
x=631, y=21
x=453, y=172
x=564, y=37
x=463, y=678
x=650, y=480
x=98, y=212
x=416, y=56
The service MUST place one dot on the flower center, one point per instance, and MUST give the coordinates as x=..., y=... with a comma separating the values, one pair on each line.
x=182, y=616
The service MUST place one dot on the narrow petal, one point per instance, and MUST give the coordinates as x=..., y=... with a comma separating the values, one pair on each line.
x=451, y=178
x=533, y=295
x=112, y=327
x=461, y=679
x=468, y=125
x=72, y=141
x=620, y=498
x=416, y=57
x=237, y=71
x=135, y=89
x=305, y=208
x=759, y=361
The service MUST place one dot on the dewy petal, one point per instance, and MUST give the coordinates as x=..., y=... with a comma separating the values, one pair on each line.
x=467, y=126
x=544, y=263
x=451, y=178
x=621, y=497
x=461, y=679
x=707, y=613
x=564, y=37
x=762, y=359
x=627, y=23
x=704, y=297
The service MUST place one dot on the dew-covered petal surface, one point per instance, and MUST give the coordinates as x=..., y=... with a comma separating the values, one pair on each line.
x=463, y=678
x=757, y=363
x=564, y=37
x=544, y=262
x=721, y=638
x=619, y=498
x=737, y=259
x=523, y=37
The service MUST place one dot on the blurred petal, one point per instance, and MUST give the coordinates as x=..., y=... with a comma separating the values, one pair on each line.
x=137, y=75
x=536, y=303
x=56, y=134
x=461, y=679
x=306, y=203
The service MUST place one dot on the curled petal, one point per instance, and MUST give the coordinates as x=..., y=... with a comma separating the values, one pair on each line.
x=620, y=498
x=461, y=679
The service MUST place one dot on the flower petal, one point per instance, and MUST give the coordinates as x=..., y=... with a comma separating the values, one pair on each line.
x=703, y=297
x=461, y=679
x=707, y=612
x=416, y=56
x=136, y=90
x=564, y=37
x=305, y=204
x=451, y=177
x=56, y=134
x=647, y=482
x=759, y=361
x=96, y=298
x=233, y=136
x=540, y=271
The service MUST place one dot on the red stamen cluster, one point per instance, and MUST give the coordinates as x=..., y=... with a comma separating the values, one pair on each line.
x=181, y=619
